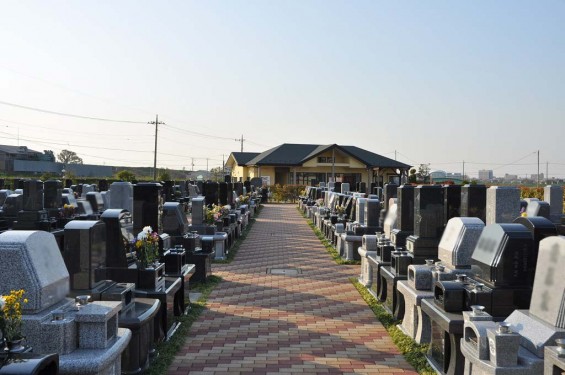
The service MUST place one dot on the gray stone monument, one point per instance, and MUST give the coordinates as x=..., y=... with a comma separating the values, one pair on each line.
x=85, y=335
x=503, y=204
x=516, y=346
x=553, y=194
x=455, y=248
x=121, y=196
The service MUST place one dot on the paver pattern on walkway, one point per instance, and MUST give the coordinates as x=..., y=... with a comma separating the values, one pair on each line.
x=310, y=323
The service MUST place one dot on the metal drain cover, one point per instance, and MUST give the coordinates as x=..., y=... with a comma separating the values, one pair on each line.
x=284, y=271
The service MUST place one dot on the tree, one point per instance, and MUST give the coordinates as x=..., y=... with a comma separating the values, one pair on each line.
x=49, y=154
x=164, y=175
x=412, y=176
x=69, y=157
x=217, y=174
x=423, y=172
x=125, y=175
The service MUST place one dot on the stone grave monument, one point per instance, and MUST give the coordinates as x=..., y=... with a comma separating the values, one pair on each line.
x=517, y=345
x=454, y=252
x=85, y=335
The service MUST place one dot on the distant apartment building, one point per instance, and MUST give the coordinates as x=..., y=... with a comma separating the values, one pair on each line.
x=510, y=177
x=534, y=177
x=485, y=174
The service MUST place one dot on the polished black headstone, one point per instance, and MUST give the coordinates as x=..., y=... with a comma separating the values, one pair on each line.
x=68, y=183
x=504, y=255
x=32, y=195
x=389, y=191
x=52, y=194
x=229, y=196
x=405, y=215
x=223, y=193
x=211, y=192
x=13, y=204
x=474, y=201
x=103, y=185
x=363, y=187
x=119, y=237
x=147, y=206
x=247, y=185
x=238, y=187
x=337, y=187
x=428, y=211
x=168, y=191
x=452, y=202
x=84, y=252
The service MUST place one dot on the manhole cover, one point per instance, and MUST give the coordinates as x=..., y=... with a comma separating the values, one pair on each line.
x=284, y=271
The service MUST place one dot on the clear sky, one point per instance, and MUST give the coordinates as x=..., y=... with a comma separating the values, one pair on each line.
x=439, y=82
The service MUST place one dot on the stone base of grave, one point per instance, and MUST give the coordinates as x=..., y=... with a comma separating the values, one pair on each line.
x=528, y=364
x=366, y=276
x=96, y=361
x=554, y=363
x=415, y=324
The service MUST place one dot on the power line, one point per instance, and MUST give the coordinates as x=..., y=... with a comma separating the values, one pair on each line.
x=68, y=114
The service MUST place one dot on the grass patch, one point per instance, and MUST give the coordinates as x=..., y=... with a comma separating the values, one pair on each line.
x=235, y=247
x=327, y=244
x=168, y=350
x=413, y=352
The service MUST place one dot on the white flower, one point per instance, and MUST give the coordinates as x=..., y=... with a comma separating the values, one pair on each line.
x=144, y=233
x=2, y=302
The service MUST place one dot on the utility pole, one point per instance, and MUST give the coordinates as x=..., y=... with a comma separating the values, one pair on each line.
x=241, y=140
x=394, y=154
x=192, y=164
x=463, y=176
x=156, y=123
x=206, y=163
x=538, y=171
x=546, y=171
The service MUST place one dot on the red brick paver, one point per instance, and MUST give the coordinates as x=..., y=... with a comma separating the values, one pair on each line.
x=312, y=323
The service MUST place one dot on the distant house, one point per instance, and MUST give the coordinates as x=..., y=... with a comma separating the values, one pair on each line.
x=307, y=164
x=9, y=154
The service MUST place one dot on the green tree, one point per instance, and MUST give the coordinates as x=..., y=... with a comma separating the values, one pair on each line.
x=412, y=176
x=217, y=174
x=164, y=175
x=49, y=154
x=68, y=157
x=125, y=175
x=423, y=173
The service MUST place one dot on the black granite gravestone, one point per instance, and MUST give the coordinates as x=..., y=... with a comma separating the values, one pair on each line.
x=452, y=202
x=223, y=193
x=405, y=216
x=147, y=205
x=474, y=201
x=52, y=196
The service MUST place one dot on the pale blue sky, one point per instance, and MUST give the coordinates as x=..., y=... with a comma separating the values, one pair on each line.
x=440, y=82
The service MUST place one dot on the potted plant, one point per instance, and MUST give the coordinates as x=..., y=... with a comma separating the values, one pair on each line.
x=11, y=319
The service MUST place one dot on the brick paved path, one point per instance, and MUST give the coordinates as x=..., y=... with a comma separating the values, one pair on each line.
x=312, y=323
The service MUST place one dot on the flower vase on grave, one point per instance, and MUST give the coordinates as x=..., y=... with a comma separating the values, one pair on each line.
x=15, y=346
x=219, y=225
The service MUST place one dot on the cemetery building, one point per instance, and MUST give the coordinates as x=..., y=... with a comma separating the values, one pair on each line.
x=13, y=154
x=305, y=164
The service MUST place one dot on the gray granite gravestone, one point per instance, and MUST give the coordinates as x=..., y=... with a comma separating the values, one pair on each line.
x=121, y=195
x=503, y=204
x=455, y=248
x=516, y=346
x=85, y=335
x=553, y=194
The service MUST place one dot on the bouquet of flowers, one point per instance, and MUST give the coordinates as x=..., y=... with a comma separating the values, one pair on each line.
x=11, y=315
x=216, y=213
x=320, y=202
x=244, y=199
x=147, y=246
x=67, y=211
x=340, y=210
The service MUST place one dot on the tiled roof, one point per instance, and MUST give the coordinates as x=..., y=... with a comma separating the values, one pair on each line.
x=290, y=154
